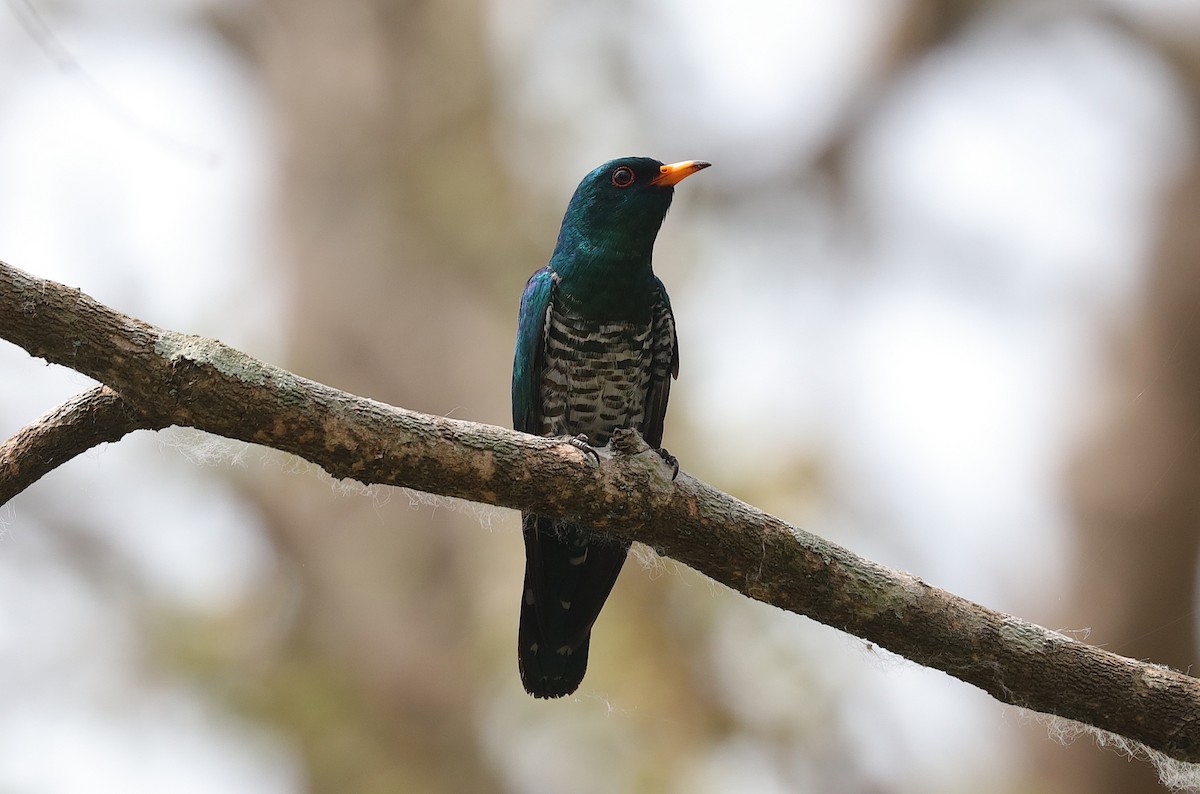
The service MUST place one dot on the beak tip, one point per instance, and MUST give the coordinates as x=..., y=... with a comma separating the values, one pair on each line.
x=675, y=173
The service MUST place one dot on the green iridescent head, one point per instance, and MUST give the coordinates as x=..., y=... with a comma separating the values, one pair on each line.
x=618, y=208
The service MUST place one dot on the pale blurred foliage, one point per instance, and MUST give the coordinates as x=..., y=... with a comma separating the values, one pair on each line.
x=932, y=236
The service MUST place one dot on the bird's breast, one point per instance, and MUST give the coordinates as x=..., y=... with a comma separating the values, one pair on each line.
x=596, y=375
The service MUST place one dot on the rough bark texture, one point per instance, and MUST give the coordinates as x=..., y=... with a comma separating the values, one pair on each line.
x=96, y=416
x=172, y=378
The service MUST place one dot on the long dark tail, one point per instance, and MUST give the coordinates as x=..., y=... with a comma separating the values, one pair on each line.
x=569, y=572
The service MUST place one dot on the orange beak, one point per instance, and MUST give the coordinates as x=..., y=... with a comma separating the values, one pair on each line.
x=675, y=173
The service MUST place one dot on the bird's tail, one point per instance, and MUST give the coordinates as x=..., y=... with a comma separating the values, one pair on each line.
x=546, y=671
x=569, y=573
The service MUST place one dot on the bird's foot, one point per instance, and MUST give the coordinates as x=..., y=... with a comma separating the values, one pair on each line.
x=670, y=460
x=581, y=443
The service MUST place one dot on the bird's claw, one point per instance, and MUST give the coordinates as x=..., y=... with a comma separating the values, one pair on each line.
x=581, y=443
x=670, y=460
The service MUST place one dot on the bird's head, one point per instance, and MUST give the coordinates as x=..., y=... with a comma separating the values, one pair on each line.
x=618, y=208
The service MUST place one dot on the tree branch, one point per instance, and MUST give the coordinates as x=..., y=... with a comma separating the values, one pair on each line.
x=164, y=377
x=86, y=420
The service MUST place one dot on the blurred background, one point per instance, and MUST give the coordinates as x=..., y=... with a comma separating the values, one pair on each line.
x=936, y=302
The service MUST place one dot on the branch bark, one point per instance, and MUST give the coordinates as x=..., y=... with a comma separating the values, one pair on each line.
x=89, y=419
x=157, y=377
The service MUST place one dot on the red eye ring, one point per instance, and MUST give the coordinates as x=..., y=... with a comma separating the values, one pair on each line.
x=623, y=176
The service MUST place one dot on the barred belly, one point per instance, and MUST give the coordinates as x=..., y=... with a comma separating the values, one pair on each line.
x=595, y=377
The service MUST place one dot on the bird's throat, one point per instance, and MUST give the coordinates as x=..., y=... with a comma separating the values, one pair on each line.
x=605, y=286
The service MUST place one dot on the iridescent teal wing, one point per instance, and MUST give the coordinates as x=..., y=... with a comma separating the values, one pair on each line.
x=531, y=352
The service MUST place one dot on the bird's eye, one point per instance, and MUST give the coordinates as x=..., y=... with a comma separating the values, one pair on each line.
x=623, y=176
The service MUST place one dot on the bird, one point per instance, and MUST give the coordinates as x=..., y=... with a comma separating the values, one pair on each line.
x=596, y=351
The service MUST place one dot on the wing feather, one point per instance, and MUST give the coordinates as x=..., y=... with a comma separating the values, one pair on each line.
x=530, y=353
x=665, y=367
